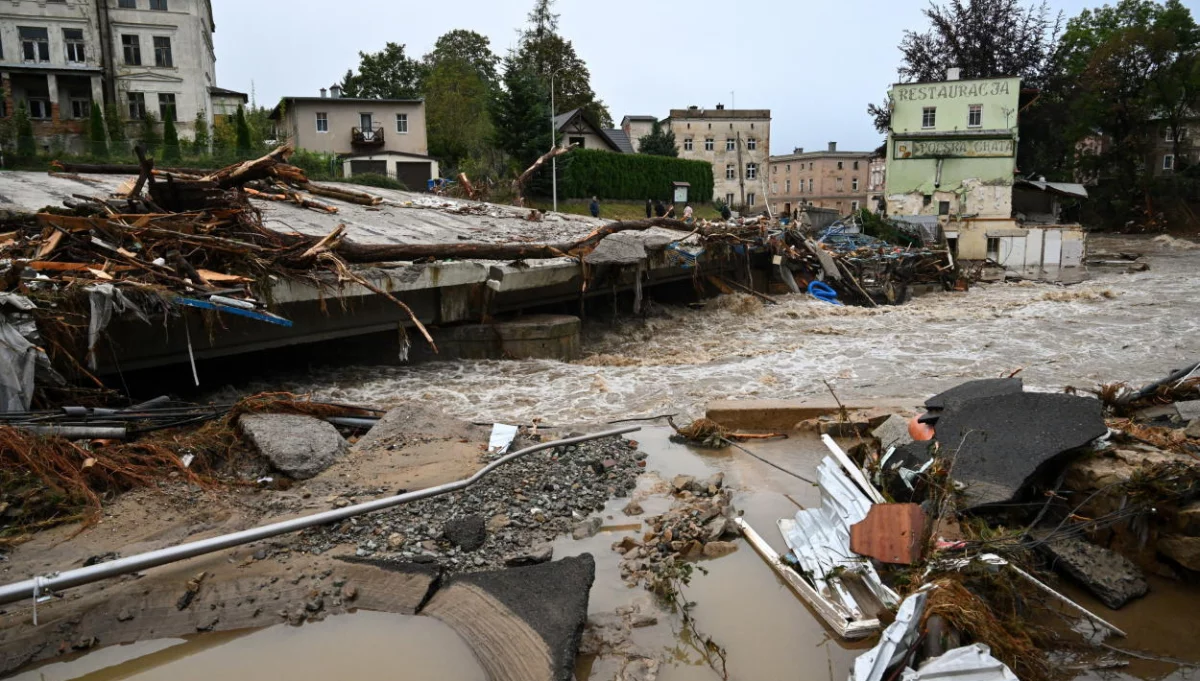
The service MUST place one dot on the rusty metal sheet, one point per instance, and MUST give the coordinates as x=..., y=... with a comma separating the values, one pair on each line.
x=891, y=533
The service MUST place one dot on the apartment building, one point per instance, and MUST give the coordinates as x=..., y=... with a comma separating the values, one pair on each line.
x=377, y=136
x=877, y=184
x=737, y=142
x=832, y=179
x=59, y=56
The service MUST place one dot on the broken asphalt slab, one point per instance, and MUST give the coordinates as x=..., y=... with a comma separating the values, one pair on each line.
x=999, y=443
x=524, y=624
x=1110, y=576
x=300, y=447
x=971, y=390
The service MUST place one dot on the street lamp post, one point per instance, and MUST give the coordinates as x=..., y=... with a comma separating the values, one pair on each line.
x=553, y=142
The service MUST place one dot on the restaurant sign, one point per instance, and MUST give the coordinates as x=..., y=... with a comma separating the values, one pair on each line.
x=991, y=148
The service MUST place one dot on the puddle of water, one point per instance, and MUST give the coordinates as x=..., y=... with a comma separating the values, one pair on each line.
x=362, y=645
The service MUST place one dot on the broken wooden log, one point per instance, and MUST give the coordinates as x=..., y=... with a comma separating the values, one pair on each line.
x=519, y=184
x=237, y=175
x=347, y=195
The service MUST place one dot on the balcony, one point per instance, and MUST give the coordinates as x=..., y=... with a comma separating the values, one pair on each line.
x=370, y=137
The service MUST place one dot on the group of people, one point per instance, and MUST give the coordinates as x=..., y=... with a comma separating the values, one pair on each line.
x=656, y=208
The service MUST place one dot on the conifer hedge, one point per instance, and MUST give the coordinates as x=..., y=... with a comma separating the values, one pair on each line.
x=584, y=173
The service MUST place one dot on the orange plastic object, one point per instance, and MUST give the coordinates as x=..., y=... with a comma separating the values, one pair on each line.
x=921, y=432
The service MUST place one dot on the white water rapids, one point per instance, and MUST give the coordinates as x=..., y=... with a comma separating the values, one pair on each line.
x=1117, y=326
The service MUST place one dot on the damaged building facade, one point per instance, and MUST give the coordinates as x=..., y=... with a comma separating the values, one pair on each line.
x=952, y=161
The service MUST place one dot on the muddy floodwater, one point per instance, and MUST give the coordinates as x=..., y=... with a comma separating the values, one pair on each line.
x=1116, y=326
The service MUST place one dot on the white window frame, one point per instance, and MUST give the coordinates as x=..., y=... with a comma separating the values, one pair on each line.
x=688, y=144
x=928, y=117
x=854, y=206
x=401, y=124
x=788, y=186
x=85, y=112
x=46, y=113
x=730, y=144
x=810, y=185
x=751, y=171
x=136, y=106
x=750, y=200
x=974, y=115
x=730, y=172
x=322, y=117
x=728, y=199
x=1169, y=135
x=1168, y=162
x=40, y=46
x=854, y=184
x=76, y=49
x=709, y=144
x=751, y=143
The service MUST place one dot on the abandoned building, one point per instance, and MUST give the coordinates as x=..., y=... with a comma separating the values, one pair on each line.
x=375, y=136
x=737, y=142
x=136, y=56
x=952, y=161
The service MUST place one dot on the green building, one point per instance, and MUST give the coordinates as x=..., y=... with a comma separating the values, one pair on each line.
x=952, y=159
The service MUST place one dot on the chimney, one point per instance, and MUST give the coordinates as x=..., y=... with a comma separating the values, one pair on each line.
x=954, y=73
x=798, y=150
x=720, y=107
x=335, y=91
x=833, y=146
x=324, y=93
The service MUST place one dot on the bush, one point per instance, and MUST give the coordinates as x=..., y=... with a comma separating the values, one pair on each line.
x=171, y=150
x=373, y=180
x=316, y=165
x=631, y=177
x=98, y=133
x=26, y=145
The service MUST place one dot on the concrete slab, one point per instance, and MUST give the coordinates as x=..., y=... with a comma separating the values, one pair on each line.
x=1000, y=443
x=1108, y=575
x=1189, y=410
x=779, y=415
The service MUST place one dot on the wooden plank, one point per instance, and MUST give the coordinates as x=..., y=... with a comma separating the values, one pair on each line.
x=834, y=616
x=50, y=244
x=891, y=533
x=854, y=471
x=222, y=278
x=48, y=266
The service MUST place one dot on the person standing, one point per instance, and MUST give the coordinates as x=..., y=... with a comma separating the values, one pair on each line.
x=595, y=207
x=687, y=214
x=659, y=209
x=649, y=209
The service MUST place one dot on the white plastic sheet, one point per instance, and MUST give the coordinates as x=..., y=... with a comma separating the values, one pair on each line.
x=502, y=438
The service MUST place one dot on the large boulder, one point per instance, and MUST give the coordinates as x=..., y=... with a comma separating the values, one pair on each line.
x=300, y=447
x=1111, y=577
x=468, y=533
x=999, y=443
x=1182, y=550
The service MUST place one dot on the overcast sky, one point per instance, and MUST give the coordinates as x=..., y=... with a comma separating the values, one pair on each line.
x=815, y=63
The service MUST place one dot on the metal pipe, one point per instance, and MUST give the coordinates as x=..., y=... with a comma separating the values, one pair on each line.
x=79, y=432
x=72, y=578
x=353, y=422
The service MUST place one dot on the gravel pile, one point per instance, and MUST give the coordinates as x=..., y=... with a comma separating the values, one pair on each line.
x=508, y=518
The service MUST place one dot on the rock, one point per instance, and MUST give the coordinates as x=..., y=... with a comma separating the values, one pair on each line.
x=588, y=528
x=608, y=464
x=605, y=634
x=693, y=550
x=1193, y=429
x=349, y=593
x=999, y=443
x=300, y=447
x=540, y=554
x=893, y=432
x=315, y=605
x=1189, y=410
x=633, y=508
x=682, y=482
x=716, y=528
x=1108, y=575
x=1188, y=520
x=971, y=390
x=717, y=549
x=124, y=615
x=640, y=669
x=626, y=545
x=640, y=621
x=1182, y=550
x=710, y=485
x=498, y=522
x=467, y=533
x=395, y=540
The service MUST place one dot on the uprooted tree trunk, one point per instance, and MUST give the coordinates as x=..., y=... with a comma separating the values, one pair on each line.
x=519, y=183
x=237, y=175
x=369, y=253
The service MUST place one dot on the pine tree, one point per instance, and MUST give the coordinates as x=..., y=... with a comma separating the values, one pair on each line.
x=243, y=132
x=26, y=145
x=151, y=139
x=658, y=143
x=202, y=137
x=171, y=151
x=521, y=115
x=116, y=130
x=98, y=134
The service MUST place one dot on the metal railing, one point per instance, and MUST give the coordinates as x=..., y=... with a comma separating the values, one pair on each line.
x=367, y=137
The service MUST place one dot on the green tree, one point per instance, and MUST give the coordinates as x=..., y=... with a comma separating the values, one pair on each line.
x=546, y=53
x=462, y=46
x=387, y=74
x=659, y=142
x=26, y=145
x=171, y=150
x=116, y=128
x=459, y=84
x=97, y=133
x=151, y=139
x=203, y=136
x=243, y=131
x=521, y=115
x=224, y=135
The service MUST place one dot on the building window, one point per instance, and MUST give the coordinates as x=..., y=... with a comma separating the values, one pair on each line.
x=160, y=5
x=788, y=168
x=854, y=206
x=132, y=47
x=854, y=184
x=1169, y=162
x=402, y=125
x=730, y=144
x=162, y=52
x=841, y=165
x=322, y=122
x=975, y=116
x=750, y=200
x=35, y=43
x=728, y=199
x=81, y=107
x=993, y=249
x=1169, y=135
x=841, y=186
x=929, y=117
x=730, y=172
x=751, y=143
x=943, y=207
x=810, y=185
x=166, y=106
x=787, y=184
x=751, y=171
x=774, y=170
x=73, y=37
x=127, y=4
x=137, y=105
x=708, y=144
x=774, y=187
x=571, y=141
x=856, y=165
x=39, y=108
x=810, y=166
x=687, y=144
x=927, y=199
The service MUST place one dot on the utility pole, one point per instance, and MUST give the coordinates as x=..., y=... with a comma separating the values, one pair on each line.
x=553, y=142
